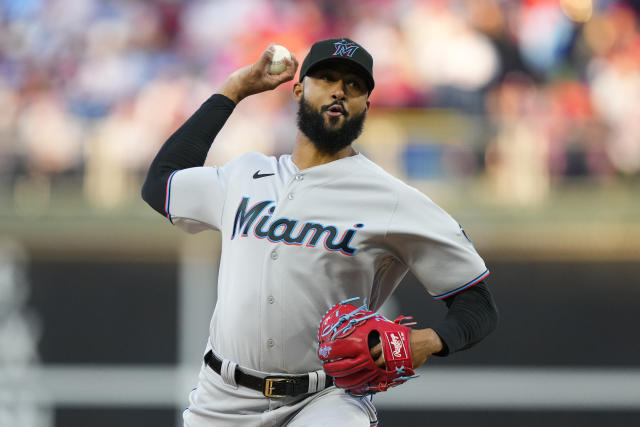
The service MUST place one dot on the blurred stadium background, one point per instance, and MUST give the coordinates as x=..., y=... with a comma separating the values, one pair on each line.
x=521, y=118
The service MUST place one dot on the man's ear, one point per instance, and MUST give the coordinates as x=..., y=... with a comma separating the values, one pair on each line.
x=368, y=104
x=298, y=90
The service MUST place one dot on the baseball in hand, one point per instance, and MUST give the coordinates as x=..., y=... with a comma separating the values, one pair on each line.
x=277, y=63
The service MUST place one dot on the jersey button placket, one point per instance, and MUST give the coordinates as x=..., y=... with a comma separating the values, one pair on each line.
x=271, y=342
x=296, y=178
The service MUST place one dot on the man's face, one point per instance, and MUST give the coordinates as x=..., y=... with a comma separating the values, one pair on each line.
x=333, y=104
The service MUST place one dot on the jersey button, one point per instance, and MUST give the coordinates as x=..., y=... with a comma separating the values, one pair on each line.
x=270, y=342
x=299, y=177
x=271, y=299
x=274, y=255
x=290, y=196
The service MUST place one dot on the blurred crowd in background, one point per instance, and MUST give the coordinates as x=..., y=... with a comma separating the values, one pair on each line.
x=90, y=89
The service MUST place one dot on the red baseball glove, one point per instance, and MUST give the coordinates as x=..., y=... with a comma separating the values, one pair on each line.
x=345, y=336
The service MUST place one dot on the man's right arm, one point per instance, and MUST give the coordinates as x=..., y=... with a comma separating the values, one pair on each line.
x=186, y=148
x=189, y=145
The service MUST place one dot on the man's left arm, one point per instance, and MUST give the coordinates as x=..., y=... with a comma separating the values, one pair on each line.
x=440, y=254
x=472, y=315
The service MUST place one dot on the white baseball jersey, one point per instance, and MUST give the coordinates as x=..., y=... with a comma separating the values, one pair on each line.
x=295, y=242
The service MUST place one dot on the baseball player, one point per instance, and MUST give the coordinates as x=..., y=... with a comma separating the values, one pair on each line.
x=300, y=233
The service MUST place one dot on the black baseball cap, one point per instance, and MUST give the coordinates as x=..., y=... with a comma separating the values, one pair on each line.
x=341, y=49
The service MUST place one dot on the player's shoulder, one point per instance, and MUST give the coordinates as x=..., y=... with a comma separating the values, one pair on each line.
x=404, y=191
x=250, y=161
x=372, y=170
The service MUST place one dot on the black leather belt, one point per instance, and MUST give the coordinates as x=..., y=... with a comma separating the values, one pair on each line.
x=271, y=386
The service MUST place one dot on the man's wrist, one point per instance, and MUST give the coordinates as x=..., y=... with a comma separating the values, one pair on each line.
x=435, y=343
x=232, y=89
x=424, y=343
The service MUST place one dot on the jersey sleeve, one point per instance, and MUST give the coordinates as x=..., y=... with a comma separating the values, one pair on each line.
x=433, y=246
x=195, y=198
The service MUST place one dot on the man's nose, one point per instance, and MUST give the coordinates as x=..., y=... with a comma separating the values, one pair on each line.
x=338, y=90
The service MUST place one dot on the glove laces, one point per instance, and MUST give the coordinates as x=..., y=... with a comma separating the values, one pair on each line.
x=400, y=370
x=348, y=320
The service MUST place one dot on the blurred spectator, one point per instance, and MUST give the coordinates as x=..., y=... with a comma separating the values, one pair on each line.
x=544, y=34
x=516, y=158
x=50, y=137
x=615, y=88
x=453, y=61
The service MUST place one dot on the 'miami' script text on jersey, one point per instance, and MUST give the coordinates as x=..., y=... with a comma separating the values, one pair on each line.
x=282, y=229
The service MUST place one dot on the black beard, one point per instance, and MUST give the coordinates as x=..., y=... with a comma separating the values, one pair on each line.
x=329, y=141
